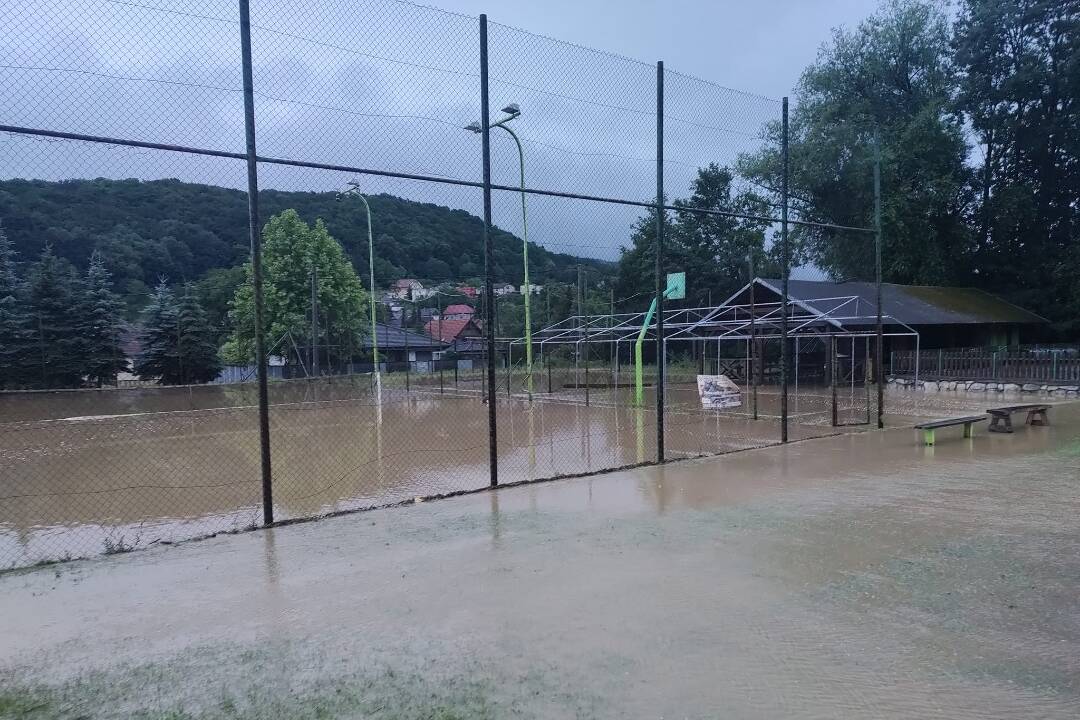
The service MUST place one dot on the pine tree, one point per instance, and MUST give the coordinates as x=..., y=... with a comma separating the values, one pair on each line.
x=101, y=325
x=178, y=342
x=15, y=340
x=198, y=353
x=56, y=357
x=159, y=357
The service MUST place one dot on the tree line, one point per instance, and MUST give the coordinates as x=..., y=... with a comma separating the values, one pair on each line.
x=63, y=329
x=144, y=229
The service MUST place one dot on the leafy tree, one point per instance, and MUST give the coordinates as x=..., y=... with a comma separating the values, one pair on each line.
x=15, y=336
x=635, y=283
x=712, y=249
x=178, y=342
x=100, y=325
x=291, y=252
x=893, y=76
x=59, y=357
x=1019, y=88
x=215, y=291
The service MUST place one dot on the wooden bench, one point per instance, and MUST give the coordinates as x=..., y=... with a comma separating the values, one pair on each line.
x=1001, y=418
x=928, y=428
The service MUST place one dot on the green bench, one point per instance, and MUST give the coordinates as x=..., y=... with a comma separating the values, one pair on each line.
x=928, y=428
x=1001, y=418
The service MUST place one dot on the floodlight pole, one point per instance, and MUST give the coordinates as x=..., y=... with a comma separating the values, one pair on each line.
x=513, y=112
x=355, y=190
x=525, y=256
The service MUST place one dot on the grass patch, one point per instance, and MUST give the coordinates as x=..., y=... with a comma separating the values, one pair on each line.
x=293, y=680
x=22, y=704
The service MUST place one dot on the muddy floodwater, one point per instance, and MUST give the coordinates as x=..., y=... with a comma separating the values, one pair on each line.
x=90, y=472
x=94, y=472
x=854, y=576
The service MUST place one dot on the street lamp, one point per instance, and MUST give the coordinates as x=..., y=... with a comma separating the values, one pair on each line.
x=354, y=189
x=513, y=111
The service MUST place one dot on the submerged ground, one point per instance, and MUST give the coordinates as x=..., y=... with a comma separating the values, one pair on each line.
x=853, y=576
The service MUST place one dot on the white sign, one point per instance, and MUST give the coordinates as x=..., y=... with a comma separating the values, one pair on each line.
x=718, y=392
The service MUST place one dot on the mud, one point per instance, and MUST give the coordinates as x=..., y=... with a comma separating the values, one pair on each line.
x=854, y=576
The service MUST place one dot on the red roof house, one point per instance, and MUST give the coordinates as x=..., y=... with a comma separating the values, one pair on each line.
x=450, y=331
x=458, y=312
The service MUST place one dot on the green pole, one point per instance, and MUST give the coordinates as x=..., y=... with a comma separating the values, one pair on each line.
x=354, y=190
x=525, y=256
x=371, y=280
x=639, y=384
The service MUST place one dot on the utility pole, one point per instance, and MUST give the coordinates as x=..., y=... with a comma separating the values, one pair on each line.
x=785, y=270
x=879, y=371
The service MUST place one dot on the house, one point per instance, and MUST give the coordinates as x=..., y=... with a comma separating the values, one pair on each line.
x=503, y=289
x=397, y=345
x=533, y=289
x=462, y=336
x=458, y=312
x=468, y=291
x=940, y=317
x=423, y=293
x=406, y=288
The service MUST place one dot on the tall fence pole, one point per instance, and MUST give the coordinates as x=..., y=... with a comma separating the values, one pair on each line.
x=878, y=369
x=489, y=255
x=314, y=319
x=255, y=239
x=784, y=272
x=660, y=261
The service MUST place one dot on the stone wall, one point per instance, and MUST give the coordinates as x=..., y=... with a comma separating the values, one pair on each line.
x=984, y=386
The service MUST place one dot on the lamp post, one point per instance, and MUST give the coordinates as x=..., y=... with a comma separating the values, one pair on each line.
x=354, y=189
x=513, y=111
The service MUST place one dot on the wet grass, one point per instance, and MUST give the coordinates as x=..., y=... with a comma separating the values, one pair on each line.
x=22, y=704
x=289, y=680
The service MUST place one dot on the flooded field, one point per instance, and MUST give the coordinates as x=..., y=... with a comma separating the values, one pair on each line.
x=92, y=472
x=860, y=575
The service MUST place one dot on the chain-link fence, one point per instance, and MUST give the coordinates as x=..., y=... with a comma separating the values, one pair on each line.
x=510, y=208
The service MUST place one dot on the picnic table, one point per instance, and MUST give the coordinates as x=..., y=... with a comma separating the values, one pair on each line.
x=1001, y=418
x=928, y=428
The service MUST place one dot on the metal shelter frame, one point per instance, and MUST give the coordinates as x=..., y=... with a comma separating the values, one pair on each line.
x=826, y=319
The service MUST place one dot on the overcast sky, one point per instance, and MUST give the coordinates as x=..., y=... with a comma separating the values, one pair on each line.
x=388, y=85
x=755, y=45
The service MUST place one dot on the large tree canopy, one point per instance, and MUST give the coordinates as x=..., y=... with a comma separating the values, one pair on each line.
x=891, y=77
x=294, y=256
x=1020, y=84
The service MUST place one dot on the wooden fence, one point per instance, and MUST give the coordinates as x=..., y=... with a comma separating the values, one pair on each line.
x=1050, y=365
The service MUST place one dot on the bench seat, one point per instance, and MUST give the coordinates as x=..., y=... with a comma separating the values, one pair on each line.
x=928, y=428
x=1001, y=418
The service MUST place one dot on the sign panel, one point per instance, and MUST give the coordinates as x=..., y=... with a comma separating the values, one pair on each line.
x=718, y=392
x=676, y=286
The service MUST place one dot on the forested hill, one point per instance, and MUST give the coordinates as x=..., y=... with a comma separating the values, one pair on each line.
x=150, y=229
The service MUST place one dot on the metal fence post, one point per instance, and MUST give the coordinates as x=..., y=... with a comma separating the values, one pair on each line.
x=489, y=255
x=255, y=238
x=880, y=342
x=832, y=378
x=784, y=271
x=660, y=217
